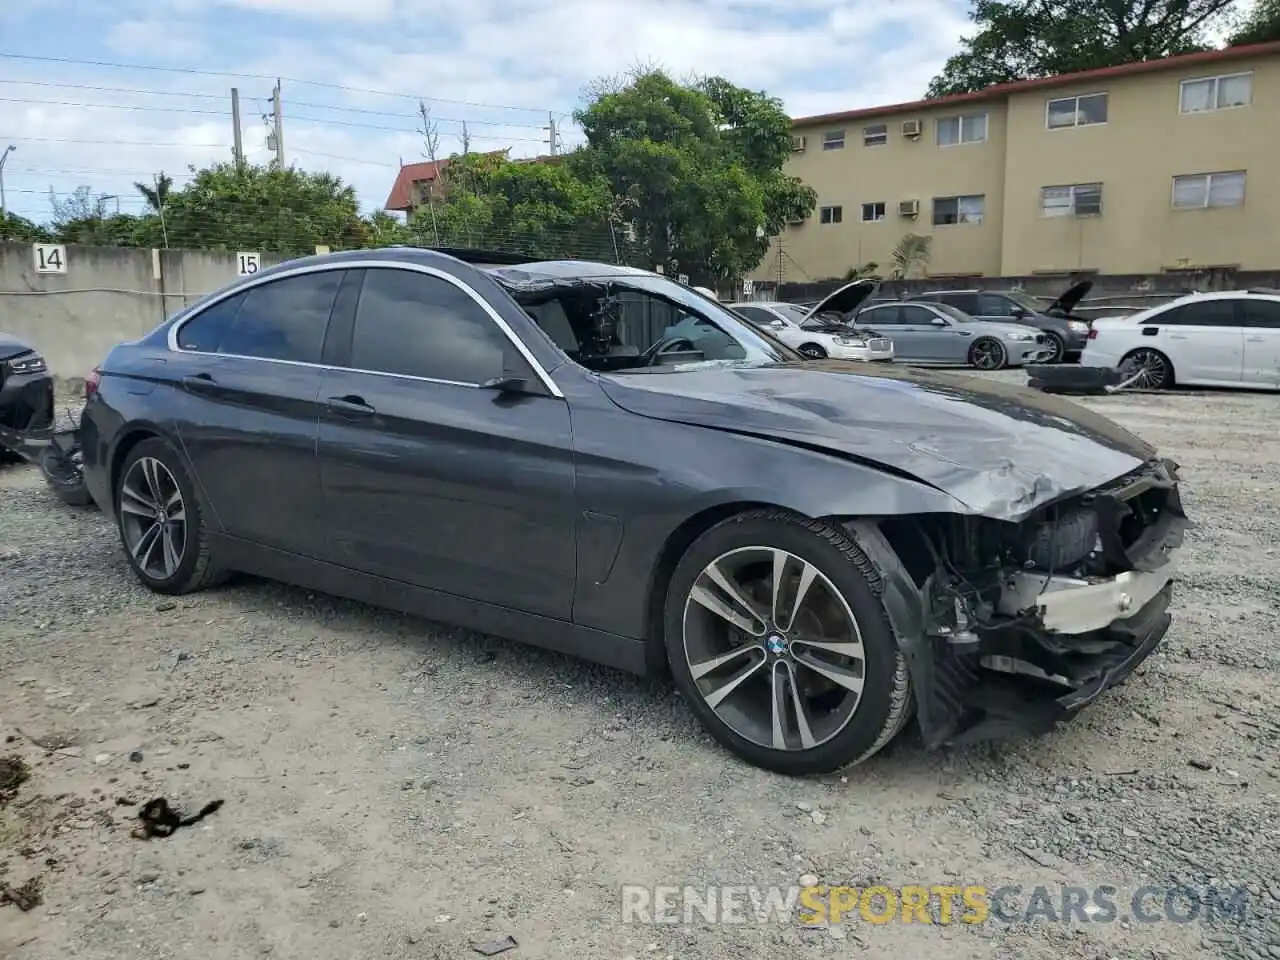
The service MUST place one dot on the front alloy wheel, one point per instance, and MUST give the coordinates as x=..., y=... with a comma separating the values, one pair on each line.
x=782, y=648
x=987, y=354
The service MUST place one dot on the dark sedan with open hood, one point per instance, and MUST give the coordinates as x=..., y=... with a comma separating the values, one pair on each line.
x=26, y=393
x=599, y=460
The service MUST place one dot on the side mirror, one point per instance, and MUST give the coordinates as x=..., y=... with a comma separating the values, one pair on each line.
x=515, y=374
x=1018, y=313
x=505, y=384
x=938, y=322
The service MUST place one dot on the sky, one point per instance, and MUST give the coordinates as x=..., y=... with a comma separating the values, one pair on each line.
x=157, y=97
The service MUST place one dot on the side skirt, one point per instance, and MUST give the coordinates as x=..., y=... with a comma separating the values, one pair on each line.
x=610, y=650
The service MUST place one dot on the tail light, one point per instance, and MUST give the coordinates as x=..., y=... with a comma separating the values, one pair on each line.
x=91, y=382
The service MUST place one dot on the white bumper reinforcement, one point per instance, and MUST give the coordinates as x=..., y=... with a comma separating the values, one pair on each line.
x=1067, y=605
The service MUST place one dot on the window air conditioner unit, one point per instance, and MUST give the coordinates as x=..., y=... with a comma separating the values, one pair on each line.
x=911, y=128
x=796, y=222
x=798, y=144
x=908, y=208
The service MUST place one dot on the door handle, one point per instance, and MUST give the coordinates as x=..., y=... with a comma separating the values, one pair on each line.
x=199, y=381
x=1150, y=331
x=350, y=406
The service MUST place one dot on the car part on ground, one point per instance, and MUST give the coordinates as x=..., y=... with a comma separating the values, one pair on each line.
x=817, y=550
x=1080, y=380
x=61, y=464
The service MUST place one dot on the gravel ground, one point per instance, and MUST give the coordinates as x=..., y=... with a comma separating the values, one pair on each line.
x=398, y=789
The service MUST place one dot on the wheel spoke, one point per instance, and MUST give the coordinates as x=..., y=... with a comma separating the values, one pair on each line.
x=744, y=618
x=808, y=573
x=152, y=480
x=172, y=555
x=134, y=503
x=146, y=545
x=841, y=648
x=703, y=667
x=837, y=675
x=721, y=693
x=786, y=689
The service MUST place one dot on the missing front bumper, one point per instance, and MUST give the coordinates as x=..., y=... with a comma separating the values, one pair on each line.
x=1070, y=606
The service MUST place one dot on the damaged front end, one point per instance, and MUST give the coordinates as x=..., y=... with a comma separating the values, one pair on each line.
x=1010, y=628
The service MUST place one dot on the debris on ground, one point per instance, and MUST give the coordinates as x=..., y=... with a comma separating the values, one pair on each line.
x=491, y=948
x=14, y=772
x=159, y=819
x=25, y=897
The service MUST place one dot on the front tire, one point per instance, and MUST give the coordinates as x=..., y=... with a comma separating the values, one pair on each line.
x=813, y=351
x=161, y=521
x=777, y=638
x=988, y=353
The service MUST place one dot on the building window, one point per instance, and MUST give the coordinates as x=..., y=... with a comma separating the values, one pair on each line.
x=958, y=209
x=831, y=214
x=1081, y=111
x=1077, y=200
x=876, y=135
x=833, y=140
x=970, y=128
x=1216, y=93
x=872, y=212
x=1198, y=190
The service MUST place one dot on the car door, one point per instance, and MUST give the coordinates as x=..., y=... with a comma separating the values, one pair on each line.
x=937, y=338
x=1204, y=340
x=427, y=476
x=1261, y=320
x=883, y=319
x=247, y=412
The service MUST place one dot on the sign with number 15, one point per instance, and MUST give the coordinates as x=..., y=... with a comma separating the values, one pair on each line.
x=248, y=263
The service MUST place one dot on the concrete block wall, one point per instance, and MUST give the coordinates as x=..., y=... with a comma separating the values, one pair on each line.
x=106, y=296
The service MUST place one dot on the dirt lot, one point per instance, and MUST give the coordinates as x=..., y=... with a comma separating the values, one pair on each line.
x=397, y=789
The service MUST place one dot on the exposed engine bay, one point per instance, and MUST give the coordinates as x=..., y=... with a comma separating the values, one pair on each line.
x=1014, y=626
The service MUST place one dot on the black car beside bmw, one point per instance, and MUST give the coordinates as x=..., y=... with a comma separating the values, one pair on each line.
x=601, y=461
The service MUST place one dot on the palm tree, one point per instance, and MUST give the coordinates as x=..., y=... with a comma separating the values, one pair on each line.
x=158, y=194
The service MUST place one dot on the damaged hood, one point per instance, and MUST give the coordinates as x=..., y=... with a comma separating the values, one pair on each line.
x=847, y=299
x=1067, y=302
x=1002, y=450
x=11, y=346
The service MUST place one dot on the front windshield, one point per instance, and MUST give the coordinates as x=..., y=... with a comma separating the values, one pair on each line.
x=644, y=322
x=1026, y=302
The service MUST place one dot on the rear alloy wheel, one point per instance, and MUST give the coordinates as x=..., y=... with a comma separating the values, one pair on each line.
x=161, y=521
x=813, y=351
x=988, y=353
x=777, y=638
x=1153, y=369
x=1055, y=346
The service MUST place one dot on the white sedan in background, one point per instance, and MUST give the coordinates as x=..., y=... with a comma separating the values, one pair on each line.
x=1225, y=339
x=820, y=331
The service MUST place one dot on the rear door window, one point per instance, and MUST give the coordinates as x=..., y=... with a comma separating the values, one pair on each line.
x=1205, y=313
x=284, y=319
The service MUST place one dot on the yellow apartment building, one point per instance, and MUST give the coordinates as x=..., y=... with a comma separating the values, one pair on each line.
x=1137, y=169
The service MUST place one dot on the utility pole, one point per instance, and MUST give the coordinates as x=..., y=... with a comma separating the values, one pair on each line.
x=4, y=210
x=238, y=151
x=279, y=124
x=552, y=139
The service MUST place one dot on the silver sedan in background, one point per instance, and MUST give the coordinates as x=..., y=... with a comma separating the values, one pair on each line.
x=935, y=333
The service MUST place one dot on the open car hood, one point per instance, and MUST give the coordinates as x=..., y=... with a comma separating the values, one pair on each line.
x=1067, y=302
x=1001, y=450
x=11, y=346
x=848, y=298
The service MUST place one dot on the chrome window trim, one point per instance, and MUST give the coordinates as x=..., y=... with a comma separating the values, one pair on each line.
x=487, y=307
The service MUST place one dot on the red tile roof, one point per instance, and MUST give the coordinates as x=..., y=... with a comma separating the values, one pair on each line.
x=402, y=194
x=1002, y=90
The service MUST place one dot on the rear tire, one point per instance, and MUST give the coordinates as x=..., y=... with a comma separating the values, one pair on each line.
x=841, y=702
x=1158, y=369
x=162, y=521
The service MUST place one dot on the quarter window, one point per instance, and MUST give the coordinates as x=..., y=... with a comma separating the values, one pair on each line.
x=1200, y=190
x=968, y=209
x=284, y=319
x=1077, y=200
x=833, y=140
x=417, y=325
x=1079, y=111
x=203, y=333
x=968, y=128
x=1215, y=93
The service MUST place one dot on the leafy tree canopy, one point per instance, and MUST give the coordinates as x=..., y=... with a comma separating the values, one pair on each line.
x=1262, y=25
x=1024, y=39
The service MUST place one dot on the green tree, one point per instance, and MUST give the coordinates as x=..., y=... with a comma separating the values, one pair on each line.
x=1262, y=25
x=21, y=230
x=1024, y=39
x=699, y=168
x=264, y=208
x=86, y=217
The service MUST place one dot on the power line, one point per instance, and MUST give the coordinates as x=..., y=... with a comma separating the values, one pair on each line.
x=124, y=143
x=194, y=71
x=142, y=108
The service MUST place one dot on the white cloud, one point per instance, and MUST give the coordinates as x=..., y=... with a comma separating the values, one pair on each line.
x=499, y=65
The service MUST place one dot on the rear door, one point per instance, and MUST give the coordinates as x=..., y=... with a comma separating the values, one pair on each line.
x=246, y=412
x=885, y=320
x=1261, y=320
x=1204, y=340
x=429, y=478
